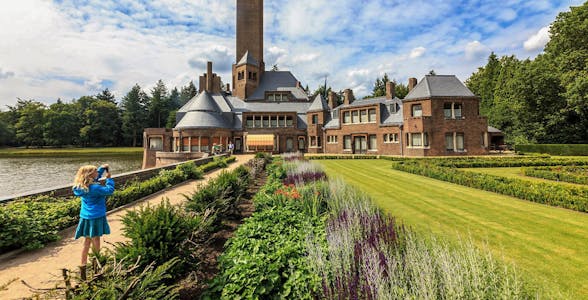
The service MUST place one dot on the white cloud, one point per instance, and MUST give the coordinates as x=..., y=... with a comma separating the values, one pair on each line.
x=417, y=52
x=6, y=74
x=475, y=50
x=538, y=40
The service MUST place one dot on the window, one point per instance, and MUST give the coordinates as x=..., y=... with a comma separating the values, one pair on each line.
x=315, y=119
x=347, y=142
x=156, y=143
x=393, y=108
x=289, y=121
x=313, y=141
x=282, y=121
x=363, y=116
x=457, y=107
x=417, y=110
x=274, y=121
x=416, y=140
x=391, y=138
x=355, y=116
x=346, y=117
x=447, y=110
x=249, y=121
x=257, y=122
x=265, y=121
x=459, y=141
x=318, y=142
x=254, y=77
x=250, y=76
x=332, y=139
x=372, y=145
x=372, y=115
x=449, y=141
x=271, y=97
x=300, y=143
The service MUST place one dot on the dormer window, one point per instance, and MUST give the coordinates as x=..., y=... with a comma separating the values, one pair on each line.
x=277, y=96
x=393, y=108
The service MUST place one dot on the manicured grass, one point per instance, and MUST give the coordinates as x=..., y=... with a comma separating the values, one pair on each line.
x=60, y=152
x=514, y=173
x=550, y=245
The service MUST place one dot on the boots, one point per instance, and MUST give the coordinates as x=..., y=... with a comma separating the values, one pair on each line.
x=83, y=273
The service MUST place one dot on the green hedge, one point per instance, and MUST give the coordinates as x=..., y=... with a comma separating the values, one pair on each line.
x=30, y=223
x=570, y=174
x=575, y=198
x=554, y=149
x=495, y=162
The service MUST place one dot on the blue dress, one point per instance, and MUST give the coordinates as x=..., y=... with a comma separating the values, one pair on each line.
x=93, y=221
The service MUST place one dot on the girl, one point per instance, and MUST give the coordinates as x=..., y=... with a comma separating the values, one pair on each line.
x=93, y=222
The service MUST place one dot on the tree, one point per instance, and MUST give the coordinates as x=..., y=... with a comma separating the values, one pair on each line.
x=134, y=115
x=62, y=125
x=102, y=124
x=29, y=127
x=401, y=90
x=159, y=105
x=106, y=95
x=483, y=83
x=7, y=135
x=188, y=92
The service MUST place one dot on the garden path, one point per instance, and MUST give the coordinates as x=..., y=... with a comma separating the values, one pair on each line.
x=42, y=268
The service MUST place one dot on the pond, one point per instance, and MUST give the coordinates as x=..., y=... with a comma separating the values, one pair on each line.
x=27, y=174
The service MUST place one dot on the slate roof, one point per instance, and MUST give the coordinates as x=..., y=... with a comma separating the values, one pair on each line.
x=203, y=119
x=201, y=102
x=386, y=118
x=319, y=104
x=332, y=121
x=278, y=81
x=247, y=59
x=439, y=86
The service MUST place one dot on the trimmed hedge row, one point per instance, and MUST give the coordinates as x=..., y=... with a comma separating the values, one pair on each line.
x=496, y=162
x=29, y=223
x=554, y=149
x=575, y=198
x=570, y=174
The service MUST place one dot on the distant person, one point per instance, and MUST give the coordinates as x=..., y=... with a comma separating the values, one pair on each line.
x=231, y=148
x=93, y=223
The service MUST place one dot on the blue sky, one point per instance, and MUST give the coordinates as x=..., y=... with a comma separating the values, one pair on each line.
x=67, y=49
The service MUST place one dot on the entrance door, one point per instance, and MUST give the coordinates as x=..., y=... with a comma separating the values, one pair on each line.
x=360, y=145
x=289, y=144
x=238, y=145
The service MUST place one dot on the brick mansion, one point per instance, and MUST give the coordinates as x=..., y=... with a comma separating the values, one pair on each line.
x=269, y=111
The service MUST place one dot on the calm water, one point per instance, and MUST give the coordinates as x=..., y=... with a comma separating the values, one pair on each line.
x=23, y=175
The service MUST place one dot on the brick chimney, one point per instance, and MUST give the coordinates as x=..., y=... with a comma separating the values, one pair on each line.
x=209, y=81
x=228, y=87
x=298, y=84
x=412, y=82
x=332, y=99
x=390, y=92
x=348, y=97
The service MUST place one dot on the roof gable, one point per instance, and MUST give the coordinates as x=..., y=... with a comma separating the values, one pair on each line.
x=319, y=104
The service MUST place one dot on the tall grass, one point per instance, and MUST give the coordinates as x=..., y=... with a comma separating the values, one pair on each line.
x=368, y=256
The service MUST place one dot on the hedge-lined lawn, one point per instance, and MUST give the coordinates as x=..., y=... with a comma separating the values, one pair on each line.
x=58, y=152
x=513, y=173
x=549, y=244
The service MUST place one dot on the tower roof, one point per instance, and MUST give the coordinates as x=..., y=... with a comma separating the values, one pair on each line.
x=439, y=86
x=319, y=104
x=247, y=59
x=201, y=102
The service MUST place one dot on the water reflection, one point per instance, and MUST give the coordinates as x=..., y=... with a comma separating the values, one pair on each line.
x=22, y=175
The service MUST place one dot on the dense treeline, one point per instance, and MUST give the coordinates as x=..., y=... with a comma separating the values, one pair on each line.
x=93, y=120
x=544, y=100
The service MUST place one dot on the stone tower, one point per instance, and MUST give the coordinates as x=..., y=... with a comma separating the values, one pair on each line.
x=249, y=65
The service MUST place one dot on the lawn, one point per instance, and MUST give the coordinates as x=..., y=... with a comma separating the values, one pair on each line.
x=68, y=152
x=549, y=244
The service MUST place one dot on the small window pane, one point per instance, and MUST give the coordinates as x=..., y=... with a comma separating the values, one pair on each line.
x=372, y=115
x=347, y=142
x=257, y=122
x=289, y=121
x=460, y=143
x=347, y=117
x=156, y=143
x=363, y=116
x=355, y=116
x=416, y=140
x=372, y=142
x=274, y=122
x=265, y=121
x=447, y=110
x=457, y=107
x=417, y=110
x=449, y=141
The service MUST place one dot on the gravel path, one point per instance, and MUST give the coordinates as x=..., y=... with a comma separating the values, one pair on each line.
x=42, y=268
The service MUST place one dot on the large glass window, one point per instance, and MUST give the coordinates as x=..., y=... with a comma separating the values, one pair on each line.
x=363, y=116
x=459, y=141
x=417, y=110
x=355, y=116
x=347, y=117
x=372, y=142
x=156, y=143
x=449, y=141
x=372, y=115
x=416, y=140
x=347, y=142
x=447, y=110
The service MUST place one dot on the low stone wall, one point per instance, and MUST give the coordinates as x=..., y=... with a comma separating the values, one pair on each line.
x=121, y=179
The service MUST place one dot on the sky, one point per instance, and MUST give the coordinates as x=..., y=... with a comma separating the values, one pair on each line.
x=64, y=49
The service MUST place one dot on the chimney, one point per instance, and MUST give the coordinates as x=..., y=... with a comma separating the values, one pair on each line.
x=348, y=97
x=412, y=82
x=332, y=99
x=298, y=84
x=390, y=92
x=228, y=87
x=209, y=77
